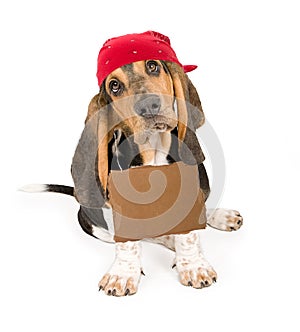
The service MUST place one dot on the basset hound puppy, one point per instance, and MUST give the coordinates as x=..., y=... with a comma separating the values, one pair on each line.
x=146, y=113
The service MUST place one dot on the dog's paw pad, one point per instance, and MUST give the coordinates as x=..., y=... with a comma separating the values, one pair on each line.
x=225, y=220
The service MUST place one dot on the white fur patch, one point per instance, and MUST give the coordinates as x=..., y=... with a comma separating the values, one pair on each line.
x=102, y=234
x=161, y=153
x=34, y=188
x=108, y=216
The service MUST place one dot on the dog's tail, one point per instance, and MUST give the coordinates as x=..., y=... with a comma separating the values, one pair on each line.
x=54, y=188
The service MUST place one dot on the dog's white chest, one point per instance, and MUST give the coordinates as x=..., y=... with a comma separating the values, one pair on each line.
x=159, y=145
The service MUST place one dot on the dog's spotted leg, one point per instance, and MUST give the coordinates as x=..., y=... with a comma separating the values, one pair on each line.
x=124, y=275
x=224, y=220
x=193, y=268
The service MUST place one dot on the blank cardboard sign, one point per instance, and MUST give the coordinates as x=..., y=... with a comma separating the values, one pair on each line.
x=150, y=201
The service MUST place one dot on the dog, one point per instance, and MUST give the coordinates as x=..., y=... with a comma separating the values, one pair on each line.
x=141, y=114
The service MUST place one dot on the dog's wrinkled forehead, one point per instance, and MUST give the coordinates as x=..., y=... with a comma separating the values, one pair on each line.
x=150, y=76
x=134, y=72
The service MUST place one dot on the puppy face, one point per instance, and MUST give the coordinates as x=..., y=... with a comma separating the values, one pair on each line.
x=142, y=94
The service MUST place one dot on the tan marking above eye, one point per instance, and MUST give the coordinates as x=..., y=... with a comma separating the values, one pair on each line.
x=139, y=67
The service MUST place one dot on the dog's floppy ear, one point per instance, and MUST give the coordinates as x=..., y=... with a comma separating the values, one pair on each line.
x=197, y=113
x=90, y=162
x=98, y=102
x=190, y=114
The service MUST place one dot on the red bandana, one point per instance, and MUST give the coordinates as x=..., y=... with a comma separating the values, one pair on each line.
x=120, y=51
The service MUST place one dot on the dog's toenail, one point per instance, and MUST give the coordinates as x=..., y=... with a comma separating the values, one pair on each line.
x=190, y=284
x=114, y=292
x=127, y=292
x=109, y=292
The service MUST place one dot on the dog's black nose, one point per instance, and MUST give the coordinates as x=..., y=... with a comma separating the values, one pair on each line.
x=148, y=106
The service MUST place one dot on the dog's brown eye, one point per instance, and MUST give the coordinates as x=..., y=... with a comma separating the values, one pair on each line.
x=115, y=87
x=152, y=67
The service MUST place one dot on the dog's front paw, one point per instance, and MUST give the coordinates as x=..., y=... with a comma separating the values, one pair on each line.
x=225, y=220
x=197, y=273
x=120, y=283
x=124, y=275
x=194, y=270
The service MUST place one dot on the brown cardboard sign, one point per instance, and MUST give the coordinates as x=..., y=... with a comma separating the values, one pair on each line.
x=150, y=201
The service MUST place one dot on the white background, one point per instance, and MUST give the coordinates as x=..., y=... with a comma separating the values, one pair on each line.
x=248, y=79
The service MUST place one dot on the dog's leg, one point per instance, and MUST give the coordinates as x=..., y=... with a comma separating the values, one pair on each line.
x=124, y=275
x=224, y=220
x=193, y=268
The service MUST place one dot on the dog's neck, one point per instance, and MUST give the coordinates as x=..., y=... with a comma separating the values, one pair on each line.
x=155, y=151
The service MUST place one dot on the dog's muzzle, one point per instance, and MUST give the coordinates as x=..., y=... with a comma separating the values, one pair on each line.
x=148, y=106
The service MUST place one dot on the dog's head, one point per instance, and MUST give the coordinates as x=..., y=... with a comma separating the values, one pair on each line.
x=143, y=96
x=149, y=96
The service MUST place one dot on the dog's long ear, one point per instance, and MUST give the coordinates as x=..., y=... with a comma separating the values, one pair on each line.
x=197, y=114
x=190, y=115
x=98, y=102
x=90, y=164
